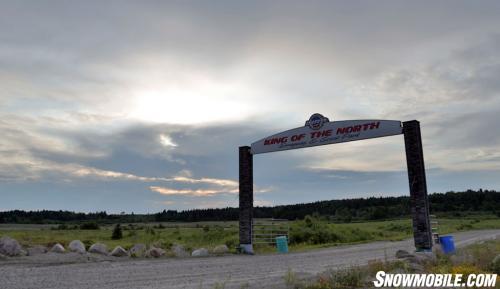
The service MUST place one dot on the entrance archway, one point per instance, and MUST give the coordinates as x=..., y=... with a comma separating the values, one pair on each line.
x=318, y=130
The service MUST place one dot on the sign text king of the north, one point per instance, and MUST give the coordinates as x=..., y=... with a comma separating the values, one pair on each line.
x=320, y=131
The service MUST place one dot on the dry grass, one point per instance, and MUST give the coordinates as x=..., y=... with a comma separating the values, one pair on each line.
x=472, y=259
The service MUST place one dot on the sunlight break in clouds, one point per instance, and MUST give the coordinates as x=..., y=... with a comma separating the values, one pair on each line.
x=220, y=182
x=195, y=100
x=197, y=192
x=86, y=171
x=202, y=192
x=167, y=141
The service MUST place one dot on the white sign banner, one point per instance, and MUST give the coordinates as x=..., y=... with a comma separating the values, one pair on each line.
x=320, y=131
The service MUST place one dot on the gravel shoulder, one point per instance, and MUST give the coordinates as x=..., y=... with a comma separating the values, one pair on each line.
x=235, y=271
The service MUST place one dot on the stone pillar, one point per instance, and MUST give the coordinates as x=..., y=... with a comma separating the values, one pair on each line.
x=246, y=195
x=418, y=187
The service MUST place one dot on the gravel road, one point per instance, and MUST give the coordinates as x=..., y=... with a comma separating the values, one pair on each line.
x=260, y=271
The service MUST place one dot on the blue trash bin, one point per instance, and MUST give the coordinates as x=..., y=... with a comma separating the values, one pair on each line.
x=282, y=244
x=447, y=244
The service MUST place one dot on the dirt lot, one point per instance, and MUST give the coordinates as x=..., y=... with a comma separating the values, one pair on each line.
x=262, y=271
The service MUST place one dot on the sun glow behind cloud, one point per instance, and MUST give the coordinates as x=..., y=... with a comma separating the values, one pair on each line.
x=191, y=102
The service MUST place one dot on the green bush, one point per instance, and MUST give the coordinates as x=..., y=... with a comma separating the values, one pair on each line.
x=117, y=233
x=89, y=226
x=232, y=242
x=312, y=230
x=88, y=243
x=347, y=278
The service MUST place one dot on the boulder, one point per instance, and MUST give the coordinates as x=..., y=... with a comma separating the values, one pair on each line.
x=138, y=250
x=400, y=254
x=98, y=248
x=202, y=252
x=10, y=247
x=36, y=250
x=57, y=248
x=119, y=252
x=77, y=246
x=179, y=251
x=221, y=249
x=155, y=252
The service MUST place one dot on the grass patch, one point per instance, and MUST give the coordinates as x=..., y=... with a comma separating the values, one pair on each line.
x=320, y=233
x=312, y=232
x=191, y=237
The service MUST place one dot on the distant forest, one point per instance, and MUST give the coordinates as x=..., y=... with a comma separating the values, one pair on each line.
x=451, y=203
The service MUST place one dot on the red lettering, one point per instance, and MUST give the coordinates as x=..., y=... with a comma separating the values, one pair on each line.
x=324, y=133
x=276, y=140
x=298, y=137
x=375, y=125
x=358, y=128
x=341, y=130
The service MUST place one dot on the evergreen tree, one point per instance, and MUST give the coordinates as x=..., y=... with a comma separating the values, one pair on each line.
x=117, y=232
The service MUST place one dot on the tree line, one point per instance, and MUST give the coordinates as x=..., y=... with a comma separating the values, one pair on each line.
x=347, y=210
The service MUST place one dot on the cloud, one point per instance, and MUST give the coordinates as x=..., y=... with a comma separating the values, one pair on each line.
x=167, y=141
x=107, y=62
x=93, y=172
x=220, y=182
x=456, y=97
x=41, y=169
x=262, y=203
x=193, y=192
x=215, y=186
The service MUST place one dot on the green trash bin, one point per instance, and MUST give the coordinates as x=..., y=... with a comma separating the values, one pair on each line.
x=282, y=244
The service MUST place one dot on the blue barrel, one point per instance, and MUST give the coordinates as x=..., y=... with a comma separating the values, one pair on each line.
x=447, y=244
x=282, y=244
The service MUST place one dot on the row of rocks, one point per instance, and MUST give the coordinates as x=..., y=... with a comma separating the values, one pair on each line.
x=10, y=247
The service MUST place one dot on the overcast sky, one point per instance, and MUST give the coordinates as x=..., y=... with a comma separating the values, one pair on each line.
x=140, y=106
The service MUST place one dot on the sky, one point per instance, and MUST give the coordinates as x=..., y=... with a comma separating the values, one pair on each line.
x=140, y=106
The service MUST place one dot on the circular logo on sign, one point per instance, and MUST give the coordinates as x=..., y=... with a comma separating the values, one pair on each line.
x=316, y=121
